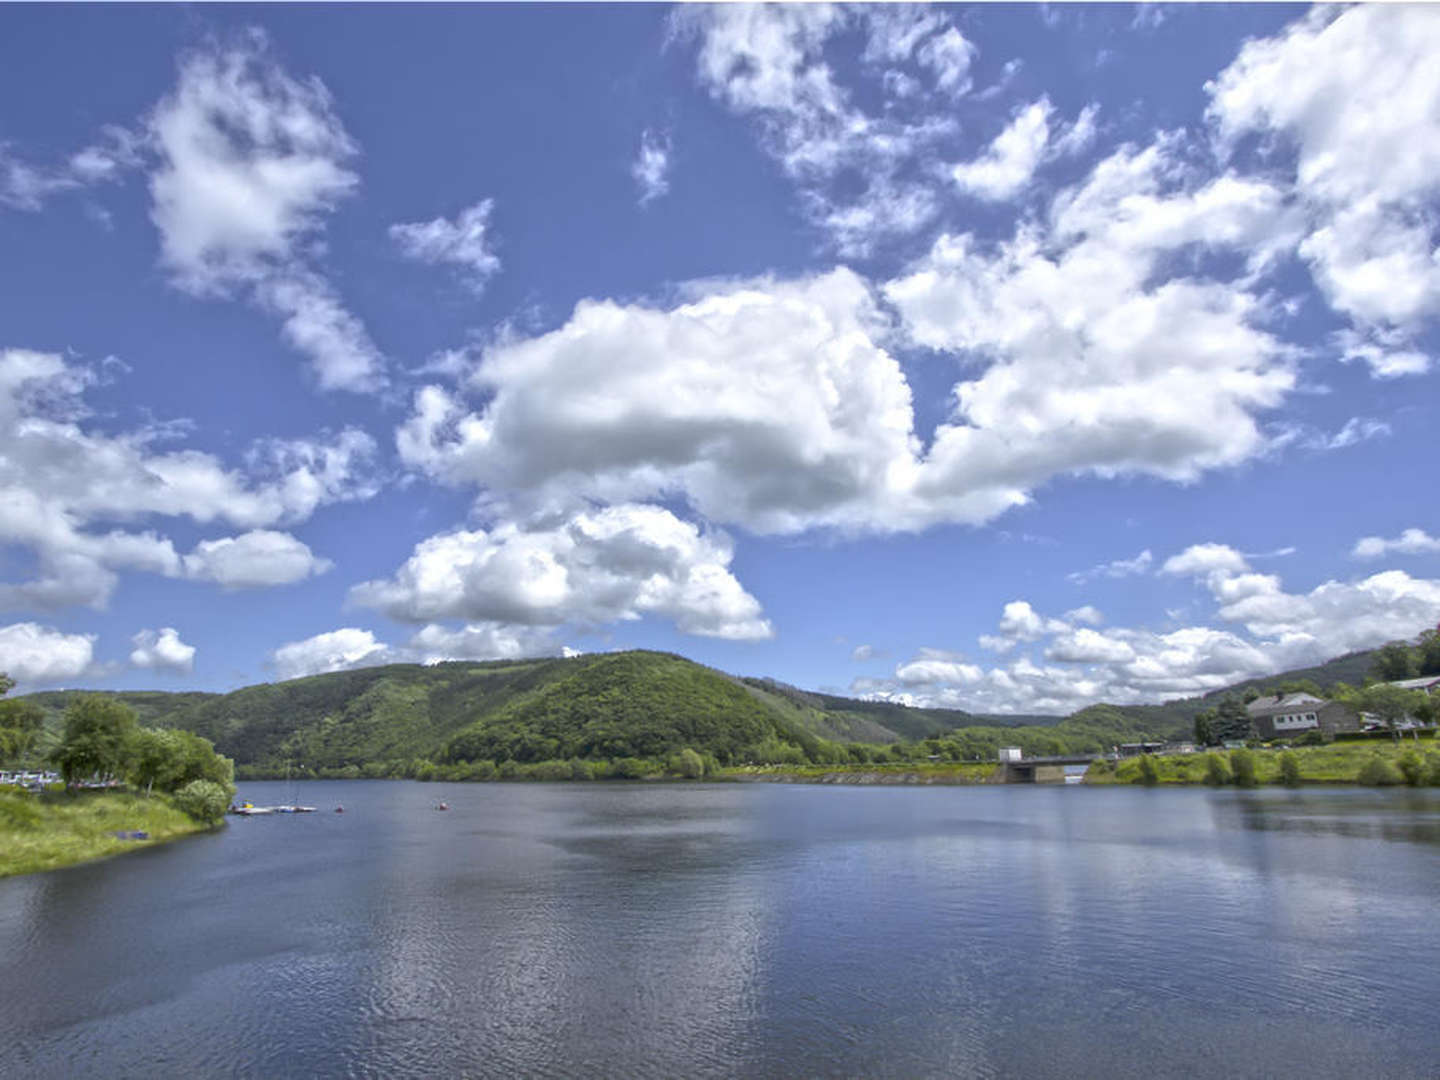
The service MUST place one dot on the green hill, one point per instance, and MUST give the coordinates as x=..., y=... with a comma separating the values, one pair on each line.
x=606, y=706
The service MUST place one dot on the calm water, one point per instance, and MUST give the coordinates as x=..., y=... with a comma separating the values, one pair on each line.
x=744, y=930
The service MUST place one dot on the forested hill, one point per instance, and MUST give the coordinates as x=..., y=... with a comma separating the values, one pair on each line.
x=609, y=706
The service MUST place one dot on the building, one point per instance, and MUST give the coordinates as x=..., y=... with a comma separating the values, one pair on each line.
x=1276, y=715
x=1430, y=684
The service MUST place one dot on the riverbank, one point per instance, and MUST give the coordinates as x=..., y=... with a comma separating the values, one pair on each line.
x=55, y=829
x=1337, y=763
x=967, y=772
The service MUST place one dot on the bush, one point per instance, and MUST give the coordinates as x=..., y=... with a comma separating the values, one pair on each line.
x=1217, y=771
x=687, y=763
x=203, y=800
x=1432, y=769
x=1318, y=737
x=1412, y=768
x=1242, y=765
x=1377, y=772
x=1289, y=769
x=1148, y=774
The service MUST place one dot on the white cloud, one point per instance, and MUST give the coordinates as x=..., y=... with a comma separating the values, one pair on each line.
x=66, y=490
x=1357, y=429
x=768, y=62
x=1355, y=92
x=766, y=404
x=26, y=186
x=1118, y=568
x=595, y=567
x=162, y=651
x=335, y=650
x=256, y=559
x=466, y=242
x=477, y=641
x=1200, y=560
x=1008, y=164
x=251, y=160
x=1409, y=542
x=35, y=655
x=862, y=653
x=651, y=169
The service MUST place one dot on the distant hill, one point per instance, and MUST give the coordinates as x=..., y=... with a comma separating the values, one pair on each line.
x=613, y=705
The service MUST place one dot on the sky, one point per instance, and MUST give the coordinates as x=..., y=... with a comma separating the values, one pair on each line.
x=1006, y=358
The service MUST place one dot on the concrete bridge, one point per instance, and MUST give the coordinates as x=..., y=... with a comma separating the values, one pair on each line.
x=1041, y=770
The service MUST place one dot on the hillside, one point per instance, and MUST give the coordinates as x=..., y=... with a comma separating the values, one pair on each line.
x=614, y=705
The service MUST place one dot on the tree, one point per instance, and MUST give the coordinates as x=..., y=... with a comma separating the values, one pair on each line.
x=97, y=736
x=1205, y=728
x=1391, y=705
x=1428, y=650
x=1232, y=722
x=1290, y=769
x=1395, y=660
x=20, y=724
x=6, y=684
x=203, y=800
x=1242, y=765
x=1217, y=772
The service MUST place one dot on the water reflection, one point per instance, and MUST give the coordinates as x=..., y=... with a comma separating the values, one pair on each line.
x=707, y=930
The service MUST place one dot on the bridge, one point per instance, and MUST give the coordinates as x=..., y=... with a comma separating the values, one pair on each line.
x=1041, y=770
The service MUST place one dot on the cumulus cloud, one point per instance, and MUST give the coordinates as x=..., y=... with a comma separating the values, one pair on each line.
x=334, y=650
x=651, y=168
x=250, y=162
x=465, y=242
x=256, y=559
x=1007, y=165
x=162, y=651
x=1060, y=665
x=619, y=563
x=1409, y=542
x=67, y=491
x=1355, y=94
x=35, y=655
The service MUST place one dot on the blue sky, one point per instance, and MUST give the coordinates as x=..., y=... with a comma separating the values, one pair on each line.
x=1005, y=358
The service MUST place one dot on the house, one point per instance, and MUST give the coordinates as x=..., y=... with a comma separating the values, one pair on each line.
x=1278, y=715
x=1430, y=684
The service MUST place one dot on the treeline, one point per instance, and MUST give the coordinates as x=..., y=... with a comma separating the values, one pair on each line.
x=103, y=743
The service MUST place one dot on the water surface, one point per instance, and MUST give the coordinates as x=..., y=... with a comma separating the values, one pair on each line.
x=644, y=930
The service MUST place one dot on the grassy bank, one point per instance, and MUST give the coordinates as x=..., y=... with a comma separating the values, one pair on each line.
x=900, y=773
x=1337, y=763
x=43, y=832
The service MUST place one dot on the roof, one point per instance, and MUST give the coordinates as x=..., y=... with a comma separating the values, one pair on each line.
x=1425, y=682
x=1279, y=703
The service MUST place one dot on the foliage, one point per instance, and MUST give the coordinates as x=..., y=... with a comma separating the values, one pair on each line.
x=20, y=724
x=1395, y=660
x=1232, y=722
x=1242, y=765
x=203, y=800
x=1205, y=728
x=1379, y=772
x=1412, y=768
x=169, y=760
x=1289, y=769
x=1217, y=770
x=1390, y=704
x=98, y=730
x=1147, y=774
x=66, y=828
x=18, y=809
x=687, y=763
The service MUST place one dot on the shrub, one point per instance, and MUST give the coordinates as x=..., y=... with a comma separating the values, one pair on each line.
x=1289, y=769
x=581, y=770
x=1242, y=765
x=687, y=763
x=550, y=770
x=1412, y=768
x=1318, y=737
x=1217, y=771
x=1148, y=774
x=1432, y=769
x=203, y=800
x=1377, y=772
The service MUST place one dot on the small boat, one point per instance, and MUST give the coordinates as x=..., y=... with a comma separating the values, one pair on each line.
x=251, y=811
x=294, y=809
x=443, y=806
x=339, y=809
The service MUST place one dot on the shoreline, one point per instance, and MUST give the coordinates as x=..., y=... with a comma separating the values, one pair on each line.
x=55, y=830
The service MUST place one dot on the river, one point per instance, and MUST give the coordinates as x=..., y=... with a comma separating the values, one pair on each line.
x=688, y=930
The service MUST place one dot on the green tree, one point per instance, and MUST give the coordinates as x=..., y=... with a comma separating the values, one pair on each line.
x=1148, y=774
x=1412, y=768
x=20, y=725
x=1428, y=652
x=1205, y=728
x=1217, y=772
x=6, y=684
x=1390, y=704
x=687, y=763
x=97, y=738
x=1395, y=660
x=1290, y=769
x=1242, y=765
x=1232, y=722
x=203, y=800
x=1377, y=772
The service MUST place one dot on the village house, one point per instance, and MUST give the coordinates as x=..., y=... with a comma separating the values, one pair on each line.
x=1277, y=715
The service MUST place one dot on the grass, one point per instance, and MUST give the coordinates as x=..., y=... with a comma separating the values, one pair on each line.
x=44, y=832
x=1337, y=763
